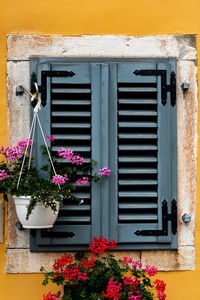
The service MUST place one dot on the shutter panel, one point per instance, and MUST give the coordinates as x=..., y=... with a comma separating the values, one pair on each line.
x=117, y=117
x=146, y=158
x=68, y=111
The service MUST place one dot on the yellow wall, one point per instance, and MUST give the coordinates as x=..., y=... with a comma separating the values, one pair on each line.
x=75, y=17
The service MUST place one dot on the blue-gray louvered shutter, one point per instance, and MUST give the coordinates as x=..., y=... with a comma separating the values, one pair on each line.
x=143, y=136
x=133, y=133
x=69, y=92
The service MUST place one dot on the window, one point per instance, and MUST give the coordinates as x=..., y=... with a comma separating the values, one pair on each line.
x=122, y=113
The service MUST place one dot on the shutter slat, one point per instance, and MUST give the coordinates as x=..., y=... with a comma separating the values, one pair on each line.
x=137, y=171
x=74, y=148
x=138, y=182
x=138, y=217
x=137, y=113
x=137, y=136
x=71, y=102
x=74, y=91
x=71, y=114
x=137, y=159
x=147, y=194
x=74, y=219
x=137, y=101
x=137, y=89
x=137, y=147
x=143, y=205
x=82, y=195
x=64, y=161
x=75, y=207
x=71, y=125
x=138, y=124
x=72, y=137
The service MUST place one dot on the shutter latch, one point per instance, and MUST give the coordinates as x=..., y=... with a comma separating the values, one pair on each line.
x=43, y=86
x=165, y=218
x=164, y=86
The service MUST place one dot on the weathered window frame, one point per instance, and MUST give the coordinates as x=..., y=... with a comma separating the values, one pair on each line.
x=20, y=48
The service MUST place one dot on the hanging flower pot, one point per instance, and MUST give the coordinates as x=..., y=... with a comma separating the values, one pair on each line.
x=41, y=216
x=46, y=187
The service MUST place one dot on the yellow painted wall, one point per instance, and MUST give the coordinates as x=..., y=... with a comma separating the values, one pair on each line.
x=75, y=17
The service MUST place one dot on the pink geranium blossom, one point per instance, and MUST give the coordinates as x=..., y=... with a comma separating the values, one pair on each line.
x=51, y=138
x=58, y=179
x=3, y=174
x=151, y=270
x=23, y=143
x=77, y=160
x=66, y=153
x=16, y=151
x=104, y=171
x=82, y=181
x=69, y=155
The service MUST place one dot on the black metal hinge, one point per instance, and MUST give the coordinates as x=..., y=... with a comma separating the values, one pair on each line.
x=43, y=86
x=164, y=86
x=165, y=218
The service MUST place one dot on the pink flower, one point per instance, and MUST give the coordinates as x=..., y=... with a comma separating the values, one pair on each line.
x=51, y=138
x=65, y=177
x=67, y=154
x=58, y=179
x=137, y=264
x=13, y=152
x=82, y=181
x=77, y=160
x=23, y=143
x=3, y=174
x=17, y=151
x=104, y=171
x=151, y=270
x=136, y=297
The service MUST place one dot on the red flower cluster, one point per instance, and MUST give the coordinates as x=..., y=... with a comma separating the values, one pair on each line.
x=133, y=282
x=62, y=262
x=50, y=296
x=88, y=263
x=100, y=245
x=68, y=270
x=113, y=290
x=160, y=289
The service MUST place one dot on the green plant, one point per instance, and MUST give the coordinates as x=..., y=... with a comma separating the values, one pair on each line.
x=101, y=277
x=63, y=184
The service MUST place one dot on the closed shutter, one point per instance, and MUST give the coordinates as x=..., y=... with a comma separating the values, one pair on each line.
x=145, y=162
x=107, y=112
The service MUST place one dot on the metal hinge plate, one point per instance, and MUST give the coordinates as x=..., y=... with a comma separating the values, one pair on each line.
x=165, y=218
x=164, y=87
x=43, y=86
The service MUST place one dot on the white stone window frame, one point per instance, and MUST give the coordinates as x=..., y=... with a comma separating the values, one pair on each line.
x=183, y=47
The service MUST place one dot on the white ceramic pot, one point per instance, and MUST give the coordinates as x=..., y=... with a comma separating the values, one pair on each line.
x=41, y=217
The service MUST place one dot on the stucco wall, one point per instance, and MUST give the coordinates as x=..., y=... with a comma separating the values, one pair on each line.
x=134, y=18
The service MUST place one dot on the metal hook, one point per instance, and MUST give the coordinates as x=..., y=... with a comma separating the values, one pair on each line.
x=20, y=89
